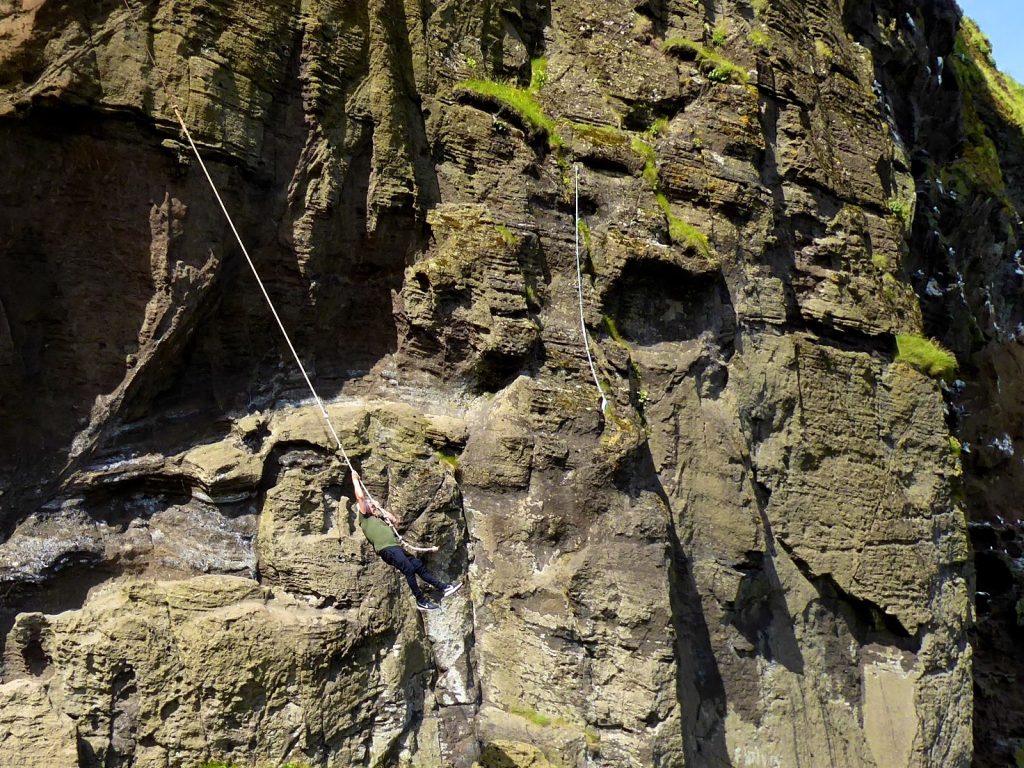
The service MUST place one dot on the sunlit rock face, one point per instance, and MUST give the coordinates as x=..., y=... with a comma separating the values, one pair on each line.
x=757, y=555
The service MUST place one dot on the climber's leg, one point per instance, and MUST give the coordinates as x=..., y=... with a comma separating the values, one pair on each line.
x=427, y=576
x=397, y=558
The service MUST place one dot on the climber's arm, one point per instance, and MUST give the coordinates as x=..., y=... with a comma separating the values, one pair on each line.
x=367, y=507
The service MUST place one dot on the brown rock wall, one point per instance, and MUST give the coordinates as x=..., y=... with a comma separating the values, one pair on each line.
x=756, y=556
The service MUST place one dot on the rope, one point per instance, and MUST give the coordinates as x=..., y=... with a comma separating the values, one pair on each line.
x=259, y=281
x=579, y=286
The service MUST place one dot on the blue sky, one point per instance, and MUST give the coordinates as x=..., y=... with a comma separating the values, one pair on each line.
x=1002, y=21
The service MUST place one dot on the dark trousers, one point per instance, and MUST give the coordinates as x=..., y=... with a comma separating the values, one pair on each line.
x=411, y=567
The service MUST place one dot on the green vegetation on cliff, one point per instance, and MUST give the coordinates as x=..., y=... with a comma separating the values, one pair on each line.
x=760, y=39
x=1007, y=92
x=599, y=134
x=679, y=231
x=584, y=230
x=522, y=101
x=900, y=209
x=450, y=460
x=926, y=355
x=593, y=738
x=519, y=100
x=716, y=66
x=985, y=90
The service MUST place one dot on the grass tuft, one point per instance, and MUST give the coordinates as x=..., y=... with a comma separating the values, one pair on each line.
x=518, y=99
x=449, y=459
x=538, y=73
x=658, y=127
x=900, y=210
x=719, y=35
x=522, y=100
x=926, y=355
x=760, y=39
x=680, y=232
x=612, y=328
x=507, y=235
x=584, y=229
x=715, y=65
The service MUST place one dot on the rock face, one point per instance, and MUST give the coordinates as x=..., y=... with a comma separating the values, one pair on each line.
x=757, y=555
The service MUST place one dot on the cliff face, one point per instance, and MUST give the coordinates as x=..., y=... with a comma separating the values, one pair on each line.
x=758, y=556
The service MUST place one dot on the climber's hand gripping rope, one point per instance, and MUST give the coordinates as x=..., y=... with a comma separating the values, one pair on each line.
x=370, y=507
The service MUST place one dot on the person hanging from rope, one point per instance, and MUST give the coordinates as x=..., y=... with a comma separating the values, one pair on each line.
x=379, y=527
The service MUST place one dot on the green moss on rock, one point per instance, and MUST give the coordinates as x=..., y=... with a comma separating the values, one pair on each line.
x=982, y=84
x=602, y=135
x=522, y=101
x=716, y=66
x=679, y=231
x=760, y=39
x=519, y=100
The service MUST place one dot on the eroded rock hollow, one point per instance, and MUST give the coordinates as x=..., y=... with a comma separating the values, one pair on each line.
x=758, y=555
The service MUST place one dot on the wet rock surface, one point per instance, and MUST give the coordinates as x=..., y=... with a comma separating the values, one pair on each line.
x=757, y=555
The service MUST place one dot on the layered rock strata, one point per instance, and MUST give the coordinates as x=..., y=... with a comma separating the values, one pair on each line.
x=757, y=555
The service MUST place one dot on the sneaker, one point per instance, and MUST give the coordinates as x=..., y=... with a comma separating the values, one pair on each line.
x=451, y=589
x=426, y=604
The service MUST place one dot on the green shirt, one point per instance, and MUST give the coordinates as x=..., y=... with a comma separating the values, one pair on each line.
x=378, y=533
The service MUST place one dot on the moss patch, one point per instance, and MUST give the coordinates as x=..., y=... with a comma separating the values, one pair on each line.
x=584, y=230
x=506, y=235
x=926, y=355
x=535, y=717
x=592, y=737
x=981, y=84
x=900, y=209
x=650, y=158
x=823, y=50
x=602, y=135
x=522, y=101
x=612, y=328
x=448, y=459
x=760, y=39
x=678, y=230
x=714, y=65
x=681, y=232
x=955, y=447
